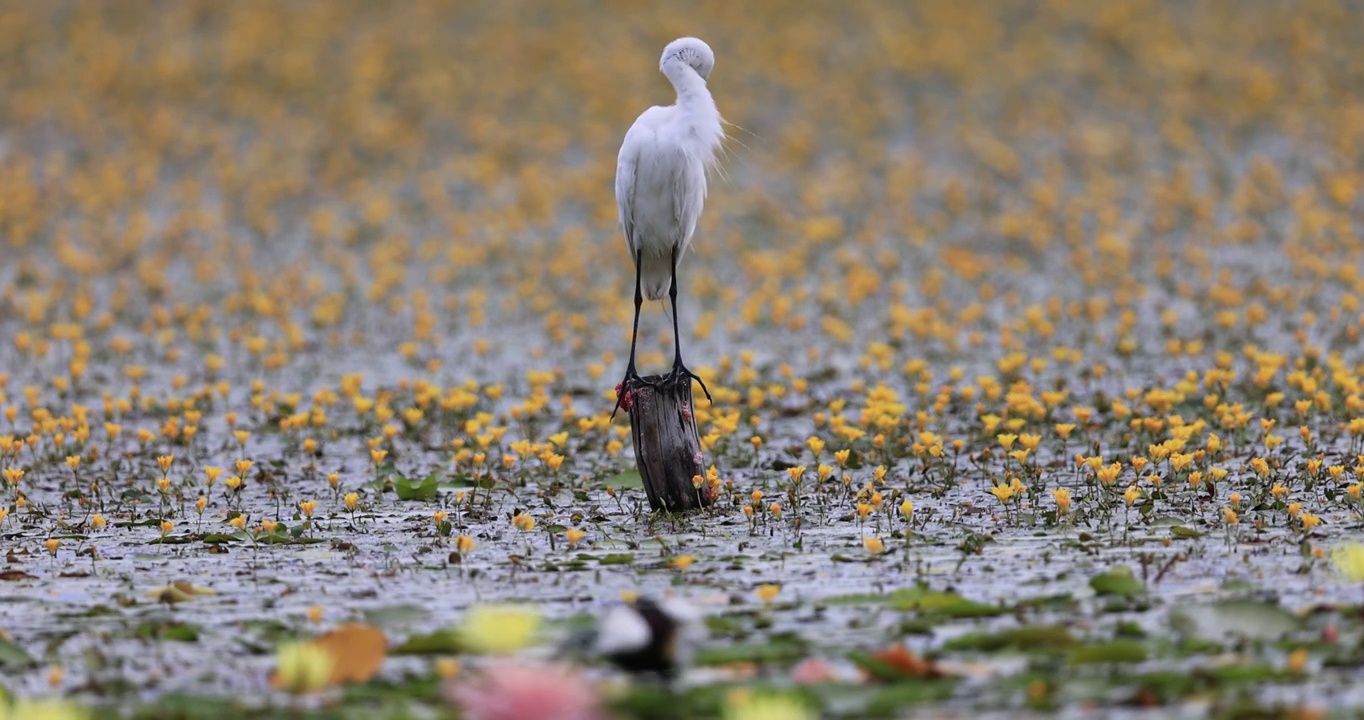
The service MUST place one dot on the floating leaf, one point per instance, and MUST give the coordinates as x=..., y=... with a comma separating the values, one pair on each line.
x=781, y=649
x=411, y=489
x=1119, y=580
x=13, y=657
x=394, y=615
x=441, y=642
x=617, y=559
x=630, y=479
x=1029, y=638
x=1118, y=651
x=181, y=632
x=1242, y=618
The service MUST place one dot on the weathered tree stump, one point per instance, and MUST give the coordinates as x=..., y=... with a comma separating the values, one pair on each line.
x=667, y=446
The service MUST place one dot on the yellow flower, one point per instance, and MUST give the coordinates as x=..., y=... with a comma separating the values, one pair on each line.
x=1230, y=516
x=302, y=667
x=1108, y=474
x=243, y=466
x=906, y=508
x=745, y=705
x=166, y=527
x=1005, y=493
x=1297, y=661
x=42, y=710
x=97, y=521
x=165, y=461
x=464, y=544
x=873, y=545
x=52, y=544
x=1309, y=520
x=1131, y=495
x=682, y=562
x=1006, y=440
x=306, y=507
x=767, y=592
x=351, y=500
x=499, y=629
x=816, y=445
x=238, y=522
x=524, y=522
x=378, y=456
x=1349, y=561
x=796, y=472
x=212, y=473
x=1062, y=498
x=574, y=535
x=73, y=461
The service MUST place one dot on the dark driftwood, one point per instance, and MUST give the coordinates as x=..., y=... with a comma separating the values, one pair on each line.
x=667, y=447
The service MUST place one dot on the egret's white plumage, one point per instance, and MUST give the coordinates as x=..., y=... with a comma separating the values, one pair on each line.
x=661, y=186
x=661, y=169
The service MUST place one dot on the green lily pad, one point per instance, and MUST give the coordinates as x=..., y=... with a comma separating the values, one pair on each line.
x=13, y=657
x=1248, y=619
x=1119, y=580
x=630, y=479
x=1118, y=651
x=441, y=642
x=1027, y=639
x=407, y=488
x=785, y=648
x=395, y=615
x=180, y=632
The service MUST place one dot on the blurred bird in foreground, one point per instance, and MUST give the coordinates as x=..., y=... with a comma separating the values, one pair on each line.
x=644, y=637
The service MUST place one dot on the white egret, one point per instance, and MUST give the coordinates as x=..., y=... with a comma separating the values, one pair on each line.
x=661, y=187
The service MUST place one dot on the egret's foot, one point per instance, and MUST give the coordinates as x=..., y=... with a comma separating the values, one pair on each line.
x=625, y=391
x=681, y=377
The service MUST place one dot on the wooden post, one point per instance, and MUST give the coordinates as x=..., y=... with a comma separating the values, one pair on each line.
x=667, y=446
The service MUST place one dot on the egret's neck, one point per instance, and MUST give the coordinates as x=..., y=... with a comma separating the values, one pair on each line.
x=690, y=86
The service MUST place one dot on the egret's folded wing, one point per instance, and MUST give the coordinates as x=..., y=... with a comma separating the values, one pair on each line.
x=625, y=188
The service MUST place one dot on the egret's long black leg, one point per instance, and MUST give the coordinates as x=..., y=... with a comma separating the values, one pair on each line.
x=680, y=372
x=631, y=375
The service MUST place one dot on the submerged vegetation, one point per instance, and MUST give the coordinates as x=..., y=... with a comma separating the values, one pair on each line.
x=1033, y=332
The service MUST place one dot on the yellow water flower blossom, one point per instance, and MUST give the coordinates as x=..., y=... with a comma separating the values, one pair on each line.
x=302, y=668
x=46, y=709
x=745, y=705
x=767, y=592
x=499, y=629
x=1062, y=498
x=1348, y=560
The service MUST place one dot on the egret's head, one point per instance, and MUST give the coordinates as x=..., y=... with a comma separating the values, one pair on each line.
x=692, y=52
